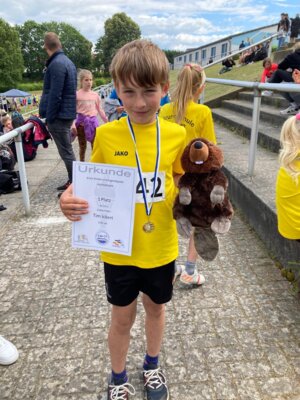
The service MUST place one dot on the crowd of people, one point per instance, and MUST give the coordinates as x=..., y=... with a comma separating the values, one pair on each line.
x=286, y=71
x=288, y=29
x=16, y=103
x=142, y=118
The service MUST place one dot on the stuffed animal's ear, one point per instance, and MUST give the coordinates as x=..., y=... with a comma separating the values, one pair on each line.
x=206, y=243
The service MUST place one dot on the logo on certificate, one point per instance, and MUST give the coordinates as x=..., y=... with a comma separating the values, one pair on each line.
x=81, y=238
x=118, y=243
x=102, y=237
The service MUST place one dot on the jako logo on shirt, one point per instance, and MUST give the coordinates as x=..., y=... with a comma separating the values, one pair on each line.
x=121, y=153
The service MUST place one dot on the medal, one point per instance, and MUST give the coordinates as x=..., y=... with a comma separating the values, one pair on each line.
x=148, y=227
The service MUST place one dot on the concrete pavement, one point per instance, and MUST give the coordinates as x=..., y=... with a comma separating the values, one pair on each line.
x=237, y=337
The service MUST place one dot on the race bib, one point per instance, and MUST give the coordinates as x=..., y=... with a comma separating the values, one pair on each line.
x=159, y=192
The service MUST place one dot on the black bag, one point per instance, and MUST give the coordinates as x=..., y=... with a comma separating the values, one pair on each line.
x=9, y=181
x=7, y=159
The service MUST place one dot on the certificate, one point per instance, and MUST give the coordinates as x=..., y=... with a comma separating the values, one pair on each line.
x=110, y=192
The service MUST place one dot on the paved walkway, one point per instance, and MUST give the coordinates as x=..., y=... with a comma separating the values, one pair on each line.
x=237, y=337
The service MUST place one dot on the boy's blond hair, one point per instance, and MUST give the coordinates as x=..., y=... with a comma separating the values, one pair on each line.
x=141, y=63
x=290, y=146
x=189, y=80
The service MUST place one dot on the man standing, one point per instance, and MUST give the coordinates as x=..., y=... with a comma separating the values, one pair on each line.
x=58, y=102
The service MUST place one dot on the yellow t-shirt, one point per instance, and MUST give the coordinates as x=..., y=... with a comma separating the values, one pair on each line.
x=288, y=204
x=198, y=120
x=114, y=145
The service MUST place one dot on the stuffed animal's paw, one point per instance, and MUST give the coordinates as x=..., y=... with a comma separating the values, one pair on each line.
x=185, y=196
x=221, y=225
x=184, y=227
x=217, y=195
x=206, y=243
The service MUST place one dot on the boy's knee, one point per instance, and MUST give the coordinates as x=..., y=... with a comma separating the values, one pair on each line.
x=152, y=309
x=123, y=325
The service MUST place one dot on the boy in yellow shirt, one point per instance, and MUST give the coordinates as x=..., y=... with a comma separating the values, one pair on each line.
x=140, y=73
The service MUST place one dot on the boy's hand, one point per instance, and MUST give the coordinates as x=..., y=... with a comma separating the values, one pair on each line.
x=71, y=206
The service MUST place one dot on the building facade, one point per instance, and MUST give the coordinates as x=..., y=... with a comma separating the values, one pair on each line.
x=224, y=47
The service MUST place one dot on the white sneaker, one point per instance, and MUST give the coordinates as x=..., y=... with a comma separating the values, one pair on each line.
x=267, y=93
x=8, y=352
x=195, y=279
x=291, y=110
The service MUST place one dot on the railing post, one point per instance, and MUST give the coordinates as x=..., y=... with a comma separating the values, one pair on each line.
x=254, y=131
x=22, y=171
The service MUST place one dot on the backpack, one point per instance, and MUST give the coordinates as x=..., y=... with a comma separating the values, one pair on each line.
x=9, y=181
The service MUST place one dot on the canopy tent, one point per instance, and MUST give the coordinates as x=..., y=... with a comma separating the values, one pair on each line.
x=15, y=93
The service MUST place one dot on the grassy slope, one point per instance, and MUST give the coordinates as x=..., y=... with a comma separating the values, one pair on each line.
x=249, y=73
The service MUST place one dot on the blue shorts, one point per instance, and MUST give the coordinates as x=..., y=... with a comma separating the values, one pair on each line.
x=124, y=283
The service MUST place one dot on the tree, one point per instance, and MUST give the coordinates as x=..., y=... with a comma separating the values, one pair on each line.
x=171, y=54
x=119, y=30
x=32, y=42
x=11, y=61
x=75, y=46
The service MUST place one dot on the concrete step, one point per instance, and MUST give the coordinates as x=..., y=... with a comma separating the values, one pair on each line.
x=255, y=196
x=275, y=100
x=281, y=54
x=268, y=133
x=268, y=113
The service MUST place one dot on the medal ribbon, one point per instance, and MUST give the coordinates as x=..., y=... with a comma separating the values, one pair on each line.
x=148, y=207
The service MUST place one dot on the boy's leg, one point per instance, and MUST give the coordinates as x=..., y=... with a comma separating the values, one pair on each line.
x=122, y=319
x=154, y=325
x=157, y=288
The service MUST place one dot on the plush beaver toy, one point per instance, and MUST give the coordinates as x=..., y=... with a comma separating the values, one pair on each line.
x=202, y=201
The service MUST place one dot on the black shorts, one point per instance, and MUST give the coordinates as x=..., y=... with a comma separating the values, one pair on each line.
x=124, y=282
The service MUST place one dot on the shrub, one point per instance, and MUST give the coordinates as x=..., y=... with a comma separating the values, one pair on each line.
x=30, y=86
x=101, y=81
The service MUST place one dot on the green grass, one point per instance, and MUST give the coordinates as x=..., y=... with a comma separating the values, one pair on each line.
x=251, y=73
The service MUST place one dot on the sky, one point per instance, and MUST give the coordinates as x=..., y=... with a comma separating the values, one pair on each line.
x=171, y=24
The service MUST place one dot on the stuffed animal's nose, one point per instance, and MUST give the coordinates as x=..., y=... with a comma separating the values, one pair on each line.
x=199, y=152
x=198, y=145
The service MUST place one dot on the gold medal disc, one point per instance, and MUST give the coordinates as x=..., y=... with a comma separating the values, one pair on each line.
x=148, y=227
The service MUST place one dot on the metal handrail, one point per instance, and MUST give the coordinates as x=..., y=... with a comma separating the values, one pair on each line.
x=257, y=88
x=16, y=134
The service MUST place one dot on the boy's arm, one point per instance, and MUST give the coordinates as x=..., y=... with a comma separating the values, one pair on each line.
x=71, y=206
